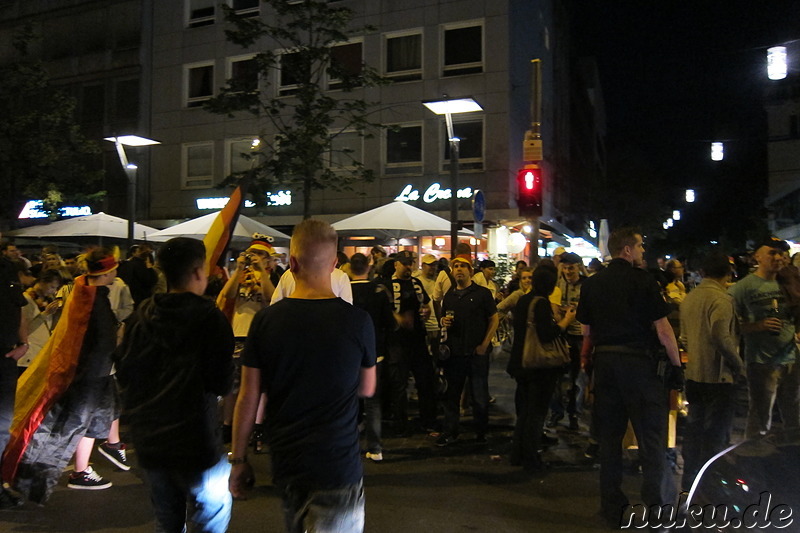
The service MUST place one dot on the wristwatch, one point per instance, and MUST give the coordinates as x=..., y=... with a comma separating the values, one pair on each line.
x=236, y=460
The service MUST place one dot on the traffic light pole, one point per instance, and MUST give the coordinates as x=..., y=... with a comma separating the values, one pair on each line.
x=453, y=185
x=533, y=247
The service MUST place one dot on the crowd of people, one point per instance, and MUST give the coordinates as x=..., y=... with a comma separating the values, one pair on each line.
x=198, y=366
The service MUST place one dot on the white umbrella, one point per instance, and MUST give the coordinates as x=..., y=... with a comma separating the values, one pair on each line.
x=394, y=220
x=97, y=225
x=197, y=228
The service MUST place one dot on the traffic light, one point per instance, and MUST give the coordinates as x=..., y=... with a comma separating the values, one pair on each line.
x=529, y=192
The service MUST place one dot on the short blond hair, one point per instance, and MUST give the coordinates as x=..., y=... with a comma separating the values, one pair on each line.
x=313, y=243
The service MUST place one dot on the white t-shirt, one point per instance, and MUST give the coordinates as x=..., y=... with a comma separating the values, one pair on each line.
x=340, y=284
x=40, y=327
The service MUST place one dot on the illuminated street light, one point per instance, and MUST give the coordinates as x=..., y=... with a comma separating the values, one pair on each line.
x=448, y=107
x=717, y=151
x=130, y=169
x=776, y=63
x=690, y=197
x=676, y=214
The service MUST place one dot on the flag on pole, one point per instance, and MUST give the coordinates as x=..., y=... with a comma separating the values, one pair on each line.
x=219, y=234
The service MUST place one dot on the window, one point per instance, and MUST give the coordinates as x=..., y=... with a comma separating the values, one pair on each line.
x=470, y=147
x=235, y=161
x=463, y=50
x=93, y=104
x=200, y=12
x=292, y=73
x=346, y=60
x=245, y=8
x=346, y=147
x=198, y=165
x=404, y=150
x=126, y=100
x=243, y=74
x=404, y=57
x=199, y=82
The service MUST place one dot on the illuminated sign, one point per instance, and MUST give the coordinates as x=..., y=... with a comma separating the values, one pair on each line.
x=33, y=209
x=431, y=194
x=218, y=203
x=279, y=198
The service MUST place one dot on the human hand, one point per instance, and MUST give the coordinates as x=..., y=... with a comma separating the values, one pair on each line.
x=447, y=321
x=241, y=261
x=570, y=312
x=425, y=312
x=481, y=349
x=17, y=353
x=52, y=307
x=676, y=380
x=772, y=324
x=241, y=480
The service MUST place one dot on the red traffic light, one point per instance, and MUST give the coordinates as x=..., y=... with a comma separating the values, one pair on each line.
x=529, y=192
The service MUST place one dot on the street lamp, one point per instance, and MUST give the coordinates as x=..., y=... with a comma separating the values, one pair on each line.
x=130, y=171
x=448, y=107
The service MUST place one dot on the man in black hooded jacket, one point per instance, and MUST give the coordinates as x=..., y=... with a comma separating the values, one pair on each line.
x=173, y=363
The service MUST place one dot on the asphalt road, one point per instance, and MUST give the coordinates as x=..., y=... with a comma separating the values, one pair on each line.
x=417, y=488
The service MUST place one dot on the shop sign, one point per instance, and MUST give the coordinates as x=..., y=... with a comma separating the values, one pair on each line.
x=432, y=193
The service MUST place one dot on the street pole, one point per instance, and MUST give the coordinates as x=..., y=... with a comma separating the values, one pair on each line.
x=454, y=141
x=535, y=133
x=131, y=170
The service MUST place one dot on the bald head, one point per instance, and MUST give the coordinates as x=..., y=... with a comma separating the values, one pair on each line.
x=313, y=248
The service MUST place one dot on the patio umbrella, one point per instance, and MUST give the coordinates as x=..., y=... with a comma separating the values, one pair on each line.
x=197, y=228
x=395, y=220
x=97, y=225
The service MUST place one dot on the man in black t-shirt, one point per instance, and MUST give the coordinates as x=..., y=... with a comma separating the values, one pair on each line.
x=408, y=348
x=470, y=316
x=624, y=317
x=313, y=355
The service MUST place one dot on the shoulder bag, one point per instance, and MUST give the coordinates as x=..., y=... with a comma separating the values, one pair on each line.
x=536, y=354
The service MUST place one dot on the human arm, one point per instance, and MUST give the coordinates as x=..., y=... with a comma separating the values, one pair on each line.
x=666, y=336
x=494, y=321
x=367, y=382
x=722, y=318
x=22, y=334
x=229, y=289
x=509, y=302
x=546, y=326
x=244, y=416
x=586, y=347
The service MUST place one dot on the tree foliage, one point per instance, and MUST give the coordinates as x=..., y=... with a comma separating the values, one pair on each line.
x=43, y=155
x=298, y=130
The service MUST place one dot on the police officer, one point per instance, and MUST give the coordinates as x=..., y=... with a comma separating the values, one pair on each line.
x=622, y=312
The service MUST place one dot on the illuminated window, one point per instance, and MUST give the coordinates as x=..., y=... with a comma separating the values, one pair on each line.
x=462, y=49
x=404, y=56
x=199, y=83
x=240, y=155
x=198, y=165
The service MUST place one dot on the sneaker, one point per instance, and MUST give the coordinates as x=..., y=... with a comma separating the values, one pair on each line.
x=87, y=480
x=445, y=440
x=591, y=450
x=555, y=418
x=375, y=457
x=8, y=500
x=117, y=456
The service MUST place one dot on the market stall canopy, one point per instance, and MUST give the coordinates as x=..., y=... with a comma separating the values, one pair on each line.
x=395, y=221
x=97, y=225
x=197, y=228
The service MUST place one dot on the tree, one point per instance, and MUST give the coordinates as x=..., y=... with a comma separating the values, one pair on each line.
x=308, y=43
x=43, y=155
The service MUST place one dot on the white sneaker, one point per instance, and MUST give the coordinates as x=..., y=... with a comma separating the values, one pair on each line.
x=376, y=457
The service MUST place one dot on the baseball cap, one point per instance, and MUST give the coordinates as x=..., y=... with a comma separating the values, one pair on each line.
x=462, y=258
x=571, y=258
x=774, y=242
x=405, y=257
x=560, y=250
x=429, y=258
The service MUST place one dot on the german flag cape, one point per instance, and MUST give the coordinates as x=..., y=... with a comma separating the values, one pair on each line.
x=219, y=237
x=49, y=375
x=219, y=234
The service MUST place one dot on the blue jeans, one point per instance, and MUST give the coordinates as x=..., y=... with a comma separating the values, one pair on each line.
x=324, y=511
x=206, y=491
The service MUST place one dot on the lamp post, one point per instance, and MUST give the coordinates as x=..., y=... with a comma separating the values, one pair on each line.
x=130, y=171
x=448, y=107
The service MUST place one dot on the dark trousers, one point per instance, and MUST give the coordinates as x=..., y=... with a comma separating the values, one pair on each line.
x=456, y=371
x=534, y=390
x=8, y=390
x=407, y=351
x=711, y=408
x=372, y=415
x=627, y=388
x=573, y=369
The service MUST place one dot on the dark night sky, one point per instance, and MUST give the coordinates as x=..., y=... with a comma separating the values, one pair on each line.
x=677, y=75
